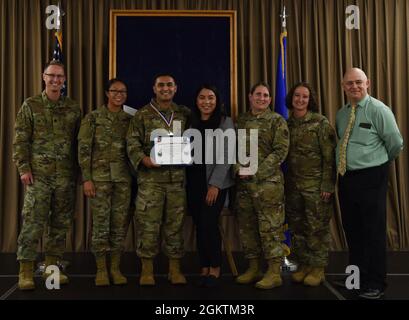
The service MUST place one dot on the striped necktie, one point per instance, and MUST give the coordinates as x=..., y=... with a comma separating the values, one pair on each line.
x=342, y=165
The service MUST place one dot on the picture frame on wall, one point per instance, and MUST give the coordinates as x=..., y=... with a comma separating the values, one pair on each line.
x=196, y=47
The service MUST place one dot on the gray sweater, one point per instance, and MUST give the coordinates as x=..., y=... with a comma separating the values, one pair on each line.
x=220, y=175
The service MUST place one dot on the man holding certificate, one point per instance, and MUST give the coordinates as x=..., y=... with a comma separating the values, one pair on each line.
x=161, y=199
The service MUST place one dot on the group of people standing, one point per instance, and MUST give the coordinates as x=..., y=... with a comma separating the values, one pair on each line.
x=110, y=143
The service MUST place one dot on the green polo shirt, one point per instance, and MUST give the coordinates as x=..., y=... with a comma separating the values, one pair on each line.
x=375, y=138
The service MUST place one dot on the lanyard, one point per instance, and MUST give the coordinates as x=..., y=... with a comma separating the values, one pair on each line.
x=168, y=122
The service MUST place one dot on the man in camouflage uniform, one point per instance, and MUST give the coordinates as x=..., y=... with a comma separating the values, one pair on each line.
x=107, y=180
x=161, y=199
x=45, y=154
x=309, y=184
x=260, y=197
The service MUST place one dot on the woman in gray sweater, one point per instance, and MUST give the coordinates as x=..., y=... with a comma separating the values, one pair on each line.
x=208, y=181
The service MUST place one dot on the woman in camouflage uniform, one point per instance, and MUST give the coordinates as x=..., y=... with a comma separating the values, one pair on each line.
x=260, y=195
x=105, y=172
x=309, y=184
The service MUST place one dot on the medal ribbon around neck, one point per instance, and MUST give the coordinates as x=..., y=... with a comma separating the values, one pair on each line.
x=168, y=122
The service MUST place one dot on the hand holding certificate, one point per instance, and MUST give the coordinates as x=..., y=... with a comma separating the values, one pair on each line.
x=172, y=151
x=147, y=162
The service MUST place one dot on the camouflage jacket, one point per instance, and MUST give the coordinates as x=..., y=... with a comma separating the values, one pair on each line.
x=45, y=136
x=139, y=142
x=102, y=146
x=273, y=141
x=311, y=157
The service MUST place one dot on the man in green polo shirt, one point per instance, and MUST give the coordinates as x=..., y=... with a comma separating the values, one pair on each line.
x=369, y=139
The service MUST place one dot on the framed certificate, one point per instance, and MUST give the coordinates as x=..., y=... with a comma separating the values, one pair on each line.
x=196, y=47
x=172, y=151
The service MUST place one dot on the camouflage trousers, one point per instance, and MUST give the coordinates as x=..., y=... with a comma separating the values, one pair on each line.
x=260, y=212
x=160, y=212
x=110, y=209
x=129, y=220
x=308, y=219
x=48, y=205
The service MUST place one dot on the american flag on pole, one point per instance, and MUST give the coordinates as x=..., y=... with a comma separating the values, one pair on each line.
x=57, y=53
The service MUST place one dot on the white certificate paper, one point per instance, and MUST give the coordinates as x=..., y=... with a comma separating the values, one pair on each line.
x=246, y=171
x=172, y=151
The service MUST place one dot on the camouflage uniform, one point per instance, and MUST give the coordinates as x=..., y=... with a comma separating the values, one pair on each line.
x=45, y=145
x=161, y=195
x=311, y=170
x=260, y=200
x=103, y=160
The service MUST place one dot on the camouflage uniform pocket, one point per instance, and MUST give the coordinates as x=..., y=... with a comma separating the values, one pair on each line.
x=140, y=205
x=39, y=120
x=119, y=172
x=29, y=202
x=69, y=122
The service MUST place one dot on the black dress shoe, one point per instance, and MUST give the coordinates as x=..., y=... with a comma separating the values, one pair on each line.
x=212, y=281
x=202, y=281
x=372, y=294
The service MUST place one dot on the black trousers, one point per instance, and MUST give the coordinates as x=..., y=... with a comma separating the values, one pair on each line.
x=206, y=219
x=362, y=197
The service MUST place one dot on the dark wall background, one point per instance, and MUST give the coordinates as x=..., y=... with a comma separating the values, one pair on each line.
x=195, y=50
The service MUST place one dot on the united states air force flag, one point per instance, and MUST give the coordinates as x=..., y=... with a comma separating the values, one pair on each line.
x=281, y=87
x=279, y=103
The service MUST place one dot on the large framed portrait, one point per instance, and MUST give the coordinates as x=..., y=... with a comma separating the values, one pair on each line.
x=196, y=47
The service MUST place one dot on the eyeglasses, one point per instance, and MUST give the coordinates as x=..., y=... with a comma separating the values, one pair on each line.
x=52, y=75
x=123, y=92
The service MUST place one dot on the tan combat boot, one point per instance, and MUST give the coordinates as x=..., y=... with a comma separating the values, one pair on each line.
x=147, y=278
x=175, y=276
x=25, y=276
x=253, y=273
x=315, y=277
x=101, y=278
x=301, y=273
x=272, y=278
x=52, y=260
x=117, y=277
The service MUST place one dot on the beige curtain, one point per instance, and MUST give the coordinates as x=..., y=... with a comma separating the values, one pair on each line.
x=319, y=49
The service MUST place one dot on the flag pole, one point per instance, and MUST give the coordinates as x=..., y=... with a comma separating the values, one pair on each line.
x=281, y=108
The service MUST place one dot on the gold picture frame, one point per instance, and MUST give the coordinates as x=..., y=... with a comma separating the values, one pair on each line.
x=133, y=21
